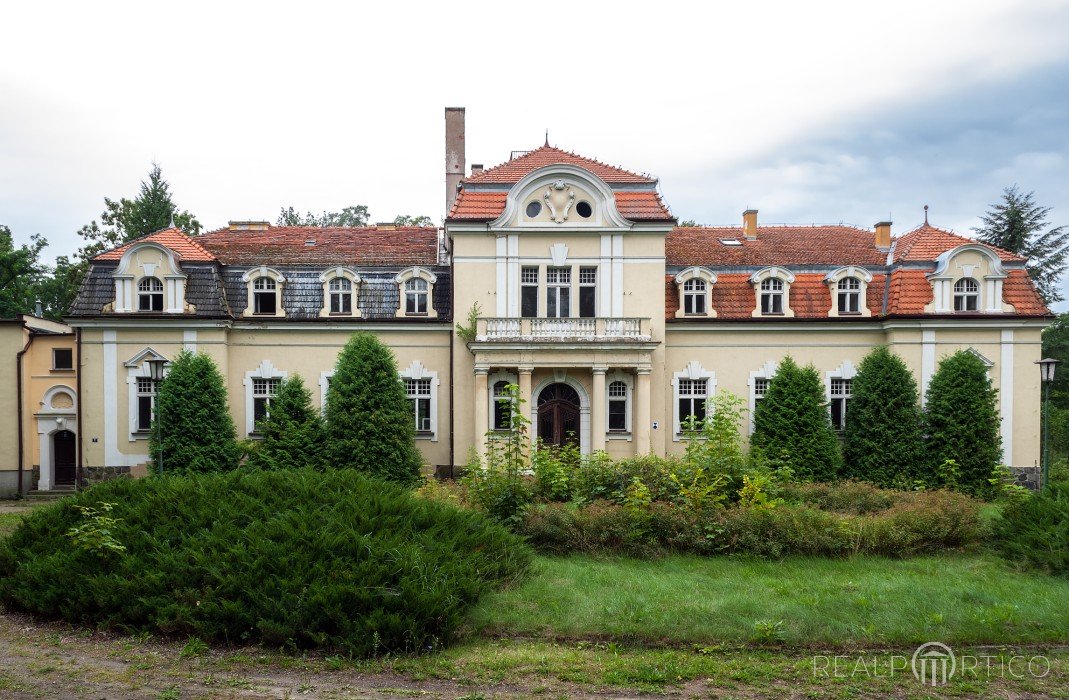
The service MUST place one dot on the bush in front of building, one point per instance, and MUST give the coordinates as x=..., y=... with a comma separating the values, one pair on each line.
x=792, y=426
x=293, y=432
x=289, y=558
x=192, y=430
x=1034, y=531
x=961, y=421
x=884, y=440
x=369, y=420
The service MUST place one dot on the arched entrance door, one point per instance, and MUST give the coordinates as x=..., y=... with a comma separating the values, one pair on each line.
x=558, y=415
x=63, y=456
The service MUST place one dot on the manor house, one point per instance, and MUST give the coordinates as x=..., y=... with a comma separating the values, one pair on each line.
x=615, y=323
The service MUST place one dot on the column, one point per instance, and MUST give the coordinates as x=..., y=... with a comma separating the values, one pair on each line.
x=482, y=408
x=598, y=419
x=524, y=373
x=642, y=411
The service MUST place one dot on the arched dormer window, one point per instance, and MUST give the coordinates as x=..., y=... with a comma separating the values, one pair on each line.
x=265, y=292
x=150, y=294
x=341, y=292
x=416, y=288
x=966, y=295
x=848, y=287
x=772, y=287
x=695, y=285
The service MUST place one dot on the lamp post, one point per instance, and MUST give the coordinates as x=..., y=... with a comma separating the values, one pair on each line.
x=155, y=371
x=1046, y=375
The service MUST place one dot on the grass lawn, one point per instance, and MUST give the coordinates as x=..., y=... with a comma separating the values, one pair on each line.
x=8, y=523
x=809, y=602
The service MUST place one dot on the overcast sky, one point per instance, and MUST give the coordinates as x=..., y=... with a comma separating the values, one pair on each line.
x=809, y=112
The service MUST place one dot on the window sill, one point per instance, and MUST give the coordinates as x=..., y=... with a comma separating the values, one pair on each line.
x=618, y=435
x=424, y=435
x=849, y=313
x=417, y=314
x=62, y=369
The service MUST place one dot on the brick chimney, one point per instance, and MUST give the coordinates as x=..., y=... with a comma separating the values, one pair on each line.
x=476, y=169
x=749, y=224
x=883, y=235
x=454, y=153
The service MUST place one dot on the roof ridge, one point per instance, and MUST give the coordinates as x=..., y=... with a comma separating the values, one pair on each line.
x=487, y=172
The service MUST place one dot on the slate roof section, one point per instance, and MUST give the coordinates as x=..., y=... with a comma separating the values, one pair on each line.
x=187, y=247
x=515, y=169
x=355, y=247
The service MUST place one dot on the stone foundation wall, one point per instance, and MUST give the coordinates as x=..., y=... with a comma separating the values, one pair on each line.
x=93, y=475
x=1029, y=477
x=9, y=483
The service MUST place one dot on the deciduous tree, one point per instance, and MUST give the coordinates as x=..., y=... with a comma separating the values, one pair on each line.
x=355, y=216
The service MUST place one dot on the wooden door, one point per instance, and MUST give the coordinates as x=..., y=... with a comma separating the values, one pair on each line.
x=558, y=415
x=63, y=456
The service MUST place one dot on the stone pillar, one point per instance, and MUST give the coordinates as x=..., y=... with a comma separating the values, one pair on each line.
x=642, y=411
x=482, y=408
x=525, y=391
x=598, y=418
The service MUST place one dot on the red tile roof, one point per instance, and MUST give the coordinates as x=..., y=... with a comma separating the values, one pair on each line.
x=1017, y=289
x=187, y=248
x=515, y=169
x=909, y=292
x=475, y=205
x=774, y=245
x=926, y=242
x=287, y=245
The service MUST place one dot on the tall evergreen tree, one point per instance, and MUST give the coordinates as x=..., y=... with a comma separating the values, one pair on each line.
x=961, y=420
x=791, y=423
x=293, y=433
x=1019, y=225
x=370, y=423
x=884, y=442
x=191, y=428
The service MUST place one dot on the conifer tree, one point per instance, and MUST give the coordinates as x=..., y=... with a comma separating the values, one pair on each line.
x=191, y=428
x=293, y=432
x=791, y=423
x=370, y=423
x=884, y=441
x=961, y=420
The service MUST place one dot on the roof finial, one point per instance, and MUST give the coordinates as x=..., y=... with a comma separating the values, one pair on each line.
x=925, y=214
x=547, y=138
x=171, y=225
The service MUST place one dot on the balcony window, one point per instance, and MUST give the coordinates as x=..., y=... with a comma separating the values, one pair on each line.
x=588, y=292
x=529, y=291
x=559, y=290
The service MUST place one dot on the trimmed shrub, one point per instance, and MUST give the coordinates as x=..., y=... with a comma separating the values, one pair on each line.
x=370, y=424
x=1035, y=531
x=791, y=424
x=850, y=497
x=293, y=433
x=192, y=427
x=884, y=442
x=294, y=558
x=962, y=423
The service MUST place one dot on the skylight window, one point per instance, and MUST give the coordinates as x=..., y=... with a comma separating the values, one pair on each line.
x=731, y=241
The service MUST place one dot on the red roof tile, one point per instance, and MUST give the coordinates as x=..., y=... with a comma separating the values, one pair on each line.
x=642, y=206
x=1018, y=289
x=187, y=248
x=927, y=242
x=515, y=169
x=282, y=245
x=774, y=245
x=909, y=293
x=478, y=206
x=487, y=206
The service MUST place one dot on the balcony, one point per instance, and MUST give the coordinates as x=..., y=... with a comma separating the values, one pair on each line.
x=563, y=329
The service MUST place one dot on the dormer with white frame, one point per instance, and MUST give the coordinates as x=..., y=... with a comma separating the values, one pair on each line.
x=149, y=279
x=416, y=287
x=264, y=288
x=772, y=291
x=695, y=287
x=848, y=287
x=341, y=291
x=968, y=279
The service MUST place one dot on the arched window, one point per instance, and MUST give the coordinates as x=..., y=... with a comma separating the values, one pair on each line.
x=341, y=296
x=694, y=296
x=502, y=406
x=150, y=294
x=618, y=406
x=265, y=296
x=849, y=295
x=416, y=296
x=772, y=296
x=966, y=295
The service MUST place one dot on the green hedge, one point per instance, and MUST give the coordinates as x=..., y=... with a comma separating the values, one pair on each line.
x=1034, y=531
x=290, y=558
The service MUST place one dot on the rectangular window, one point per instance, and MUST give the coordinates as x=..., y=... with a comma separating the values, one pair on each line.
x=265, y=303
x=146, y=402
x=760, y=388
x=840, y=398
x=772, y=303
x=617, y=407
x=62, y=358
x=588, y=292
x=529, y=292
x=419, y=398
x=559, y=289
x=693, y=394
x=263, y=390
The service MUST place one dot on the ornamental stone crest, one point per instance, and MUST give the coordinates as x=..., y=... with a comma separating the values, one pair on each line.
x=559, y=197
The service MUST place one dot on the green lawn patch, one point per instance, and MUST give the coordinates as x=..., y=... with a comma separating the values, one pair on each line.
x=8, y=523
x=805, y=601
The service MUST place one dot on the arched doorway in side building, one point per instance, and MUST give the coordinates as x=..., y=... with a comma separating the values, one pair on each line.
x=559, y=417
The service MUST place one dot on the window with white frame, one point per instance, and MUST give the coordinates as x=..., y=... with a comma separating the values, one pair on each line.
x=966, y=294
x=502, y=405
x=416, y=296
x=840, y=398
x=559, y=292
x=341, y=296
x=263, y=390
x=617, y=407
x=849, y=295
x=149, y=294
x=588, y=292
x=419, y=398
x=694, y=294
x=772, y=296
x=529, y=291
x=265, y=296
x=693, y=395
x=760, y=389
x=62, y=359
x=146, y=402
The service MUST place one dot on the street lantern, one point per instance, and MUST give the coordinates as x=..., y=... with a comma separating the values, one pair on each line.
x=156, y=371
x=1046, y=375
x=155, y=368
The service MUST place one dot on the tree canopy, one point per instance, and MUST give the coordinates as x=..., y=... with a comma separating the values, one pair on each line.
x=355, y=215
x=1018, y=224
x=21, y=273
x=406, y=220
